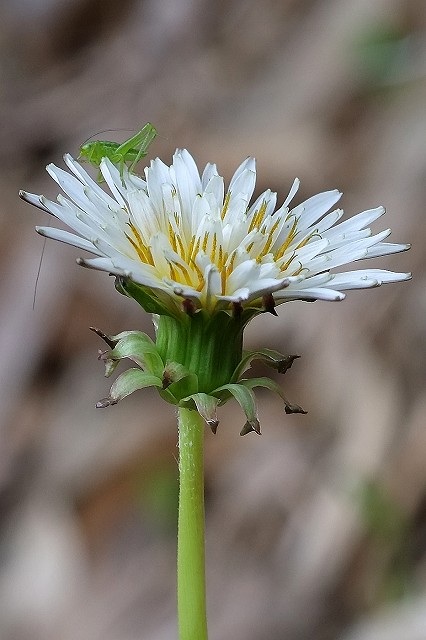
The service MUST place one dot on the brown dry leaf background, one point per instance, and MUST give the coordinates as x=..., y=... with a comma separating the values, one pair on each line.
x=316, y=530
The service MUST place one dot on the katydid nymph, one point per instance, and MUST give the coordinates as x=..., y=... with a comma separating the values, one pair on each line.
x=127, y=153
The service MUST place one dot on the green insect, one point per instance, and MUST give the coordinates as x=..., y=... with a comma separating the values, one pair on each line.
x=128, y=153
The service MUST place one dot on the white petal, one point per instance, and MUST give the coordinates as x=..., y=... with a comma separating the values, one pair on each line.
x=34, y=199
x=360, y=221
x=213, y=284
x=210, y=170
x=242, y=275
x=113, y=179
x=319, y=293
x=240, y=295
x=216, y=187
x=386, y=248
x=157, y=174
x=315, y=207
x=67, y=216
x=266, y=286
x=248, y=164
x=355, y=279
x=99, y=264
x=244, y=184
x=191, y=168
x=68, y=238
x=187, y=184
x=328, y=221
x=84, y=177
x=294, y=189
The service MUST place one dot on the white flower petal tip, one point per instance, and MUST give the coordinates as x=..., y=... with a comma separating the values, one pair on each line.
x=180, y=234
x=397, y=277
x=33, y=199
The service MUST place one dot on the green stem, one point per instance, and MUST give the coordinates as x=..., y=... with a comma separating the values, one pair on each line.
x=191, y=582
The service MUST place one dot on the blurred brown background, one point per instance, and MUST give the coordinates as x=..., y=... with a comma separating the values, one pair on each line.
x=318, y=528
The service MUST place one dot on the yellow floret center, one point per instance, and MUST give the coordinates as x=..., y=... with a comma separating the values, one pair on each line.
x=185, y=269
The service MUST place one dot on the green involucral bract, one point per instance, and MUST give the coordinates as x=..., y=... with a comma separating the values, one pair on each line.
x=196, y=363
x=149, y=300
x=208, y=345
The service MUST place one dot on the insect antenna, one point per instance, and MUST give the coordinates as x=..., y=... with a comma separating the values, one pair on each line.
x=38, y=272
x=158, y=135
x=98, y=133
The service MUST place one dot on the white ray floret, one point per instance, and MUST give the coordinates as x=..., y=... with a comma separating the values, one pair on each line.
x=180, y=234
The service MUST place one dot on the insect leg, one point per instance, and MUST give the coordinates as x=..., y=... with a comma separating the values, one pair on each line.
x=150, y=134
x=136, y=147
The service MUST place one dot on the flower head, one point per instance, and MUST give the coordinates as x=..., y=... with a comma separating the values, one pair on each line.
x=183, y=240
x=205, y=262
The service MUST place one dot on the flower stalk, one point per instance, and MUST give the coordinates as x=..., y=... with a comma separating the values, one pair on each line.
x=191, y=583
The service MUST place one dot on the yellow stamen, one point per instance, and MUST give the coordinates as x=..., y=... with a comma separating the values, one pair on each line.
x=173, y=273
x=185, y=272
x=271, y=237
x=268, y=242
x=135, y=233
x=258, y=217
x=193, y=249
x=289, y=240
x=144, y=252
x=180, y=248
x=298, y=271
x=288, y=263
x=172, y=237
x=306, y=240
x=223, y=277
x=227, y=270
x=136, y=248
x=205, y=241
x=225, y=205
x=221, y=258
x=200, y=276
x=231, y=260
x=213, y=249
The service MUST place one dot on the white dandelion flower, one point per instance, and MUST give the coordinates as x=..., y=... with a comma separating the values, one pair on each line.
x=205, y=261
x=181, y=236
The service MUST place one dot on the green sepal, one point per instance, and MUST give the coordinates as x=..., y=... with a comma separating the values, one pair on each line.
x=174, y=372
x=272, y=358
x=144, y=296
x=123, y=335
x=128, y=382
x=112, y=340
x=139, y=348
x=245, y=398
x=206, y=405
x=178, y=383
x=175, y=392
x=251, y=383
x=110, y=363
